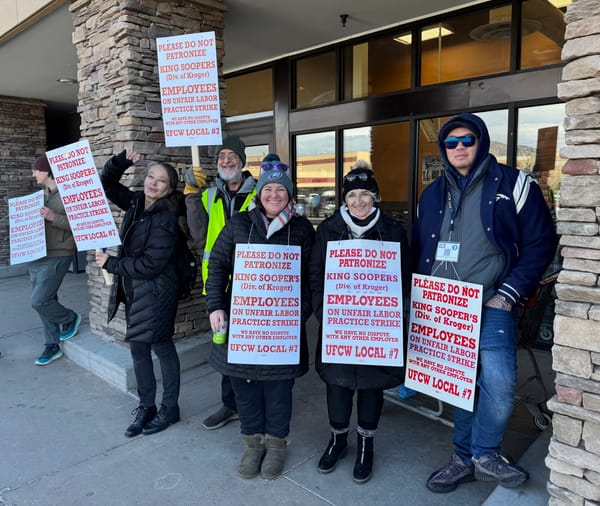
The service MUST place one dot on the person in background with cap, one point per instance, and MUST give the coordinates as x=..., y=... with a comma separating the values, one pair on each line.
x=208, y=211
x=496, y=218
x=359, y=217
x=47, y=274
x=263, y=392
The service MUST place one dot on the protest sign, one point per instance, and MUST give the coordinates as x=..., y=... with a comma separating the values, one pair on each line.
x=87, y=208
x=27, y=229
x=443, y=339
x=264, y=322
x=189, y=89
x=362, y=303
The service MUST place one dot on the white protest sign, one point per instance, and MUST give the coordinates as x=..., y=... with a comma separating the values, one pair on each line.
x=443, y=339
x=189, y=89
x=362, y=303
x=87, y=208
x=264, y=322
x=27, y=229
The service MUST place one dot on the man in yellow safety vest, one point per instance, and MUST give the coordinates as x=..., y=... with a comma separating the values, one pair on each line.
x=207, y=212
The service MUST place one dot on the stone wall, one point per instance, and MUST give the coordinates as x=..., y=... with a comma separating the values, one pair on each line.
x=22, y=140
x=119, y=105
x=574, y=451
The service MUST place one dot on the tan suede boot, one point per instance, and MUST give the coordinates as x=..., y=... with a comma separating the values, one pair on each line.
x=254, y=450
x=272, y=465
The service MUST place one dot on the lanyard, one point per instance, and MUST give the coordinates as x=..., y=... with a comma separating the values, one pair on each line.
x=452, y=214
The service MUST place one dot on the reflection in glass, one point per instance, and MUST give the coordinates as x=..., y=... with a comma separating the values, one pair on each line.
x=378, y=66
x=470, y=45
x=239, y=101
x=540, y=136
x=315, y=175
x=254, y=156
x=386, y=148
x=430, y=163
x=542, y=32
x=315, y=80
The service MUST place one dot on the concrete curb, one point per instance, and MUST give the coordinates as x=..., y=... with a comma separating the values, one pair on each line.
x=111, y=361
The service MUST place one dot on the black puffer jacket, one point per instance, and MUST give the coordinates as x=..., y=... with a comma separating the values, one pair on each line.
x=249, y=228
x=334, y=229
x=145, y=278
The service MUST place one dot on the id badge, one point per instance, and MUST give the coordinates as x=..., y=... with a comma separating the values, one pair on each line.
x=447, y=251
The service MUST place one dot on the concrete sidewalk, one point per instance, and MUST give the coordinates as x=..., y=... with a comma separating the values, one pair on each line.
x=62, y=439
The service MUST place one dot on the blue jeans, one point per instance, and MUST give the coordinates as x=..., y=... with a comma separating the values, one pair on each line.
x=46, y=276
x=265, y=407
x=227, y=393
x=480, y=432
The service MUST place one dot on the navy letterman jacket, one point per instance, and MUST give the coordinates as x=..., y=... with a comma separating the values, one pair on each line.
x=515, y=218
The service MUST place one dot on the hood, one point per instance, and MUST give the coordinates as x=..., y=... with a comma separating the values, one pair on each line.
x=476, y=125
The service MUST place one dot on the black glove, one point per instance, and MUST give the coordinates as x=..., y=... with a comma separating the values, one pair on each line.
x=121, y=161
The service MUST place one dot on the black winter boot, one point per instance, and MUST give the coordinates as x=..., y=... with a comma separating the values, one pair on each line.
x=142, y=417
x=336, y=449
x=166, y=416
x=363, y=467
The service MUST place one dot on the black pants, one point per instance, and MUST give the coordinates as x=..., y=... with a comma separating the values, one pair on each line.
x=369, y=404
x=227, y=393
x=265, y=407
x=144, y=372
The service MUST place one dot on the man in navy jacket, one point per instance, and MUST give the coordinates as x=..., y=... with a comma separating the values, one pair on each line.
x=487, y=223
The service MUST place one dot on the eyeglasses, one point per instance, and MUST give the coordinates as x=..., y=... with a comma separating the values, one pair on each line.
x=360, y=176
x=227, y=156
x=268, y=166
x=466, y=140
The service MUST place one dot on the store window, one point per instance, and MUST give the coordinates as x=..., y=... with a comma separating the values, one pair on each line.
x=470, y=45
x=254, y=157
x=315, y=175
x=378, y=66
x=241, y=101
x=430, y=163
x=542, y=32
x=540, y=136
x=386, y=148
x=316, y=80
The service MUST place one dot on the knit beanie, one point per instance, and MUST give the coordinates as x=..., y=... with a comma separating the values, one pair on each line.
x=42, y=164
x=354, y=181
x=236, y=145
x=275, y=176
x=271, y=157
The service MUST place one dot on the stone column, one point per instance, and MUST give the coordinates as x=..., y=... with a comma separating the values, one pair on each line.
x=574, y=451
x=119, y=104
x=22, y=140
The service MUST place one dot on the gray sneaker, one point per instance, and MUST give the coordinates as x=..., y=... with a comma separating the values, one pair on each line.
x=223, y=416
x=498, y=468
x=448, y=477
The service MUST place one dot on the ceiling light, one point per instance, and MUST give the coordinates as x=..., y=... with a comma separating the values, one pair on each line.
x=66, y=80
x=426, y=34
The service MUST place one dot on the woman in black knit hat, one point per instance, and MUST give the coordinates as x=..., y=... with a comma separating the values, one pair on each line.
x=359, y=217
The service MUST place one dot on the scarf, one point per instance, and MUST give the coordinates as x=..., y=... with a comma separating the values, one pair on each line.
x=281, y=220
x=359, y=230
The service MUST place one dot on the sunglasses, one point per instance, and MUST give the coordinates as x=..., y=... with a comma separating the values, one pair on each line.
x=280, y=166
x=360, y=176
x=466, y=140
